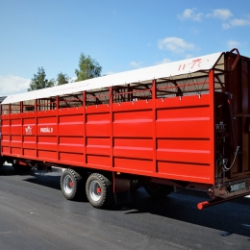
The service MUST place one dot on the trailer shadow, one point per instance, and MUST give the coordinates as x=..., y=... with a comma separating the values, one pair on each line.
x=8, y=170
x=230, y=218
x=43, y=178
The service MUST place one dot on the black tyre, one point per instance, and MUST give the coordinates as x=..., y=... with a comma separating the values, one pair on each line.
x=71, y=184
x=99, y=191
x=157, y=190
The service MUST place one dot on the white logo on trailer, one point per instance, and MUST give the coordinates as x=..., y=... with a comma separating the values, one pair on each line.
x=46, y=130
x=28, y=130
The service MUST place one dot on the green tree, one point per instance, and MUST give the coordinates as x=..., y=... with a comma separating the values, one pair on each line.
x=62, y=79
x=39, y=80
x=88, y=68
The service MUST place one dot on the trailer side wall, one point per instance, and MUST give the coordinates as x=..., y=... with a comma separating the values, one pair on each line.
x=170, y=138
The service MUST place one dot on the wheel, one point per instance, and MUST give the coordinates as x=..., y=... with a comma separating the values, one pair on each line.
x=157, y=190
x=99, y=191
x=71, y=184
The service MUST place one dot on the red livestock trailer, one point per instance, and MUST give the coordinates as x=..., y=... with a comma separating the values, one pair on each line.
x=182, y=124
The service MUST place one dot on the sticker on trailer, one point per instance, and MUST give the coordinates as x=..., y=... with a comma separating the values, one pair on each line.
x=46, y=130
x=220, y=127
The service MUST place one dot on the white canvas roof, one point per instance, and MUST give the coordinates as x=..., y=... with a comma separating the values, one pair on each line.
x=160, y=71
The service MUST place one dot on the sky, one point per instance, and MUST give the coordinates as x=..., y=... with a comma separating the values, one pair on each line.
x=119, y=35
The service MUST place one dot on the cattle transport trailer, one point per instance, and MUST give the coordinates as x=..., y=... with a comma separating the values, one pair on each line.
x=182, y=124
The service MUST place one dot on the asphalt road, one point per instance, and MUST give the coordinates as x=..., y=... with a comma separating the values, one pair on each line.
x=35, y=215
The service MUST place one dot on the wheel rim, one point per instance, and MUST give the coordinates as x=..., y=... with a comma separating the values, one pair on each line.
x=68, y=184
x=95, y=191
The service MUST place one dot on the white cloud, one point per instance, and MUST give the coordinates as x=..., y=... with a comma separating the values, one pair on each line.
x=232, y=44
x=165, y=60
x=190, y=14
x=175, y=44
x=135, y=64
x=223, y=14
x=188, y=56
x=195, y=31
x=13, y=84
x=240, y=22
x=236, y=22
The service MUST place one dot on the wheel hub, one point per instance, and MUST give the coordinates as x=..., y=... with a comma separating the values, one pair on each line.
x=95, y=191
x=68, y=184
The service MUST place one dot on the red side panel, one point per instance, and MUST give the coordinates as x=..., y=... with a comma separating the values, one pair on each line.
x=169, y=138
x=184, y=134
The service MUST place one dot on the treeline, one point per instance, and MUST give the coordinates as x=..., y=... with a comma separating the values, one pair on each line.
x=88, y=68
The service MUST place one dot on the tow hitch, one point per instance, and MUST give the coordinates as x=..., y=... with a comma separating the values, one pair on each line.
x=227, y=191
